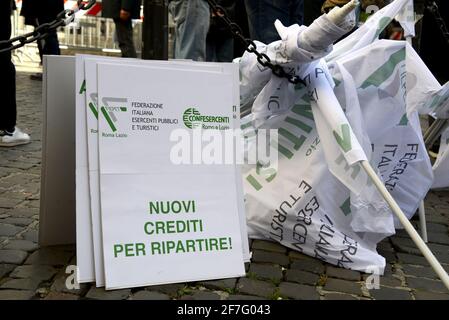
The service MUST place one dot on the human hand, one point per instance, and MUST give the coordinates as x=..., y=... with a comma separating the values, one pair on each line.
x=124, y=15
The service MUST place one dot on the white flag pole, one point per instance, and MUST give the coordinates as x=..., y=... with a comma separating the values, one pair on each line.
x=407, y=225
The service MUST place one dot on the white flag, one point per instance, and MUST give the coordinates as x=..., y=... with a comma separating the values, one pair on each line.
x=406, y=18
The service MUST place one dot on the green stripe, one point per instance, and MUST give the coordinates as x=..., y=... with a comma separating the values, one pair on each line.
x=298, y=142
x=385, y=71
x=93, y=109
x=252, y=181
x=283, y=150
x=108, y=119
x=303, y=110
x=299, y=124
x=246, y=125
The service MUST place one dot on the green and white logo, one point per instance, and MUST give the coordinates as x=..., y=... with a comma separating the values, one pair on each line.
x=194, y=119
x=190, y=119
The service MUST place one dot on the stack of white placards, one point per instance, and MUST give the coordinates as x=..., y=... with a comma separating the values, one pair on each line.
x=142, y=216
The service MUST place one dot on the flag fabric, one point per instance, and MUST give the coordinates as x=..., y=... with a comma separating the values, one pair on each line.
x=353, y=109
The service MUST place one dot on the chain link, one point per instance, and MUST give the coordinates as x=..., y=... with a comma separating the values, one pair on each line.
x=432, y=7
x=40, y=32
x=250, y=46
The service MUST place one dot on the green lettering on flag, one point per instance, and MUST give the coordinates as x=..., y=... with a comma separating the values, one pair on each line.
x=385, y=71
x=383, y=23
x=298, y=142
x=346, y=206
x=345, y=142
x=252, y=181
x=404, y=120
x=303, y=110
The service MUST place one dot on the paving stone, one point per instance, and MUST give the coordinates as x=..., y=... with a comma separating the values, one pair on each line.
x=255, y=287
x=270, y=257
x=21, y=284
x=442, y=257
x=419, y=271
x=24, y=245
x=341, y=273
x=12, y=256
x=390, y=257
x=205, y=295
x=298, y=291
x=385, y=293
x=59, y=285
x=295, y=255
x=438, y=248
x=264, y=271
x=268, y=246
x=390, y=281
x=243, y=297
x=426, y=284
x=61, y=296
x=23, y=212
x=5, y=269
x=412, y=259
x=314, y=266
x=31, y=235
x=424, y=295
x=436, y=227
x=170, y=289
x=9, y=203
x=440, y=238
x=149, y=295
x=38, y=272
x=338, y=296
x=223, y=285
x=9, y=230
x=343, y=286
x=21, y=222
x=101, y=294
x=301, y=277
x=50, y=256
x=16, y=294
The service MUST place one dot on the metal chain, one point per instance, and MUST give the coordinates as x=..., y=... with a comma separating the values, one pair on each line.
x=435, y=11
x=62, y=19
x=250, y=46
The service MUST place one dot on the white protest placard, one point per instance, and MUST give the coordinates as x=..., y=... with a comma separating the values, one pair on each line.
x=92, y=128
x=84, y=242
x=164, y=223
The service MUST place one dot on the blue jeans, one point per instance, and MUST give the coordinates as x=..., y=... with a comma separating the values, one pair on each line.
x=191, y=19
x=263, y=13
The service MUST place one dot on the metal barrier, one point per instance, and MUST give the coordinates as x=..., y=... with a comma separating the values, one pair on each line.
x=88, y=32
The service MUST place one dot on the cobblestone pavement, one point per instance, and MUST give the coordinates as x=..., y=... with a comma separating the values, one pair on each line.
x=30, y=272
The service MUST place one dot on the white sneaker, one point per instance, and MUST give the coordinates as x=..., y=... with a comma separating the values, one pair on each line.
x=13, y=139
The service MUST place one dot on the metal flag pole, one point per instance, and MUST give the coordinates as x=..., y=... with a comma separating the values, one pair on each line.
x=434, y=263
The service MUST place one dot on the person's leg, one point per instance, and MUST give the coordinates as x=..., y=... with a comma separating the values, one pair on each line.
x=124, y=30
x=225, y=49
x=192, y=19
x=8, y=115
x=296, y=12
x=261, y=17
x=211, y=49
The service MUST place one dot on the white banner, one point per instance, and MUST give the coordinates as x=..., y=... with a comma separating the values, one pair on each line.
x=162, y=222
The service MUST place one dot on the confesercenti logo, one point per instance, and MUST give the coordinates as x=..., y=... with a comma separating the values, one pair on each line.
x=193, y=119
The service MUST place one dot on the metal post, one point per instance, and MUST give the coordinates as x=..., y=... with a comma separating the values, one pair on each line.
x=436, y=266
x=155, y=30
